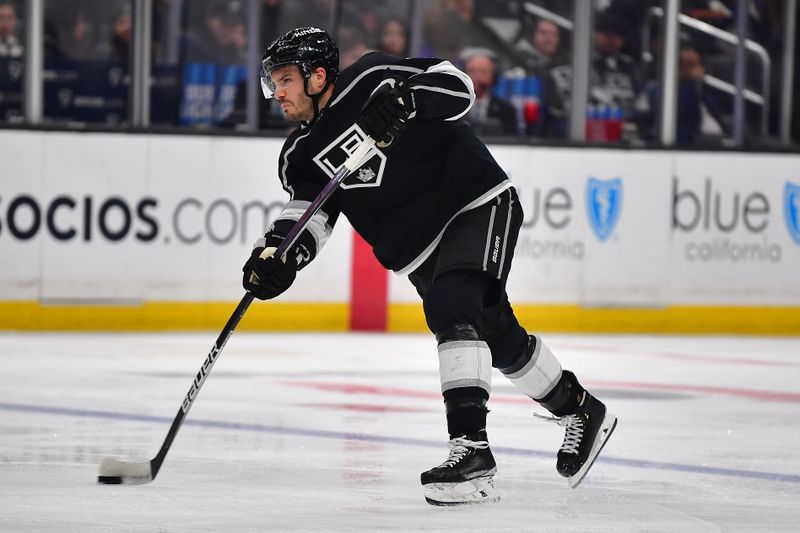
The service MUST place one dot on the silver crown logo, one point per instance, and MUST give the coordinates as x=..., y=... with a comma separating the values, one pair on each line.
x=365, y=174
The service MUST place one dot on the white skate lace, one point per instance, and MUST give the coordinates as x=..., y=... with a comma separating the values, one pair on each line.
x=574, y=433
x=459, y=447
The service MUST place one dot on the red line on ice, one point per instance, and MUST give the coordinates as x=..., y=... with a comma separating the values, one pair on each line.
x=681, y=356
x=368, y=408
x=763, y=395
x=358, y=388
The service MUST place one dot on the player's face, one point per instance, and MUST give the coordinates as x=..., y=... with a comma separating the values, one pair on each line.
x=289, y=91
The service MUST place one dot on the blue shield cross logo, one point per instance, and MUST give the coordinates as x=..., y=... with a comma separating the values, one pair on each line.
x=604, y=203
x=791, y=209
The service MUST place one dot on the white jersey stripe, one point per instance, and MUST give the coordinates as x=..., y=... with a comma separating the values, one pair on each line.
x=369, y=71
x=505, y=184
x=489, y=238
x=285, y=165
x=445, y=67
x=505, y=237
x=440, y=90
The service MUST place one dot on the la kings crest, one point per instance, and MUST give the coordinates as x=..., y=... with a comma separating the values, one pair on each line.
x=333, y=156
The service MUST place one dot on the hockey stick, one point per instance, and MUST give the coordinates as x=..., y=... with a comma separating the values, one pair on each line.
x=115, y=472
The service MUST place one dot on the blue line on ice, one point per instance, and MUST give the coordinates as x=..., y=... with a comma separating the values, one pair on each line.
x=262, y=428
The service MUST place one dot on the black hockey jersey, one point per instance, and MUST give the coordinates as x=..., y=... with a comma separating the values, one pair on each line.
x=401, y=199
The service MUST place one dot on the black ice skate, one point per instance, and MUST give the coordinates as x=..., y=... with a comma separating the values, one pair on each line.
x=467, y=476
x=587, y=431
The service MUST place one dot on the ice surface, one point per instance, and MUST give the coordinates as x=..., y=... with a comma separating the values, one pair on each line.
x=330, y=432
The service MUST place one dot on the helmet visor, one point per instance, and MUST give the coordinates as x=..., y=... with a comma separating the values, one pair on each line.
x=267, y=85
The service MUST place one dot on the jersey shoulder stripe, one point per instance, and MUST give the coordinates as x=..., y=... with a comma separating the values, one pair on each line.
x=283, y=162
x=360, y=77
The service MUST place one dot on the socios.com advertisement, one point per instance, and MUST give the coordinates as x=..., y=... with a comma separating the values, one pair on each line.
x=133, y=217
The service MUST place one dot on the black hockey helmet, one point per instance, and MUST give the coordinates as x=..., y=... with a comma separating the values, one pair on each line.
x=306, y=47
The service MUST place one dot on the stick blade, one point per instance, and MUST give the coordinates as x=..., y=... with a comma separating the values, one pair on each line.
x=114, y=472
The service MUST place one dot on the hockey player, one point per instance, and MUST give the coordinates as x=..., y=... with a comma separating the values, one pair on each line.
x=434, y=205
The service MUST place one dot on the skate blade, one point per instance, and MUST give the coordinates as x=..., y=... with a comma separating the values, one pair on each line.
x=608, y=427
x=478, y=490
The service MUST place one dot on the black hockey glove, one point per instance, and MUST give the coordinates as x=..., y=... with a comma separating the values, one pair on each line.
x=267, y=276
x=384, y=115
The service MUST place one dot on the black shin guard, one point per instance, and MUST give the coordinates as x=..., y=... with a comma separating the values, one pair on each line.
x=466, y=411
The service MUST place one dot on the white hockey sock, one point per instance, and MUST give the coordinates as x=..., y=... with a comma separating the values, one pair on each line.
x=465, y=363
x=536, y=374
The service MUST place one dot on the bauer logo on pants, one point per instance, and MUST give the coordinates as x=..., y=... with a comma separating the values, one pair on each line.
x=333, y=156
x=604, y=203
x=791, y=209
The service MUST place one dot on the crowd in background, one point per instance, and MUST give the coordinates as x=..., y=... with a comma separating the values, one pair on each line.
x=520, y=62
x=624, y=89
x=10, y=44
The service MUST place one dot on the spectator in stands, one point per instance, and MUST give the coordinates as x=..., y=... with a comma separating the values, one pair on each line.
x=614, y=79
x=452, y=25
x=443, y=32
x=74, y=30
x=352, y=45
x=361, y=15
x=699, y=110
x=394, y=37
x=489, y=115
x=543, y=50
x=699, y=114
x=556, y=102
x=464, y=8
x=77, y=42
x=221, y=38
x=119, y=46
x=633, y=12
x=10, y=45
x=214, y=53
